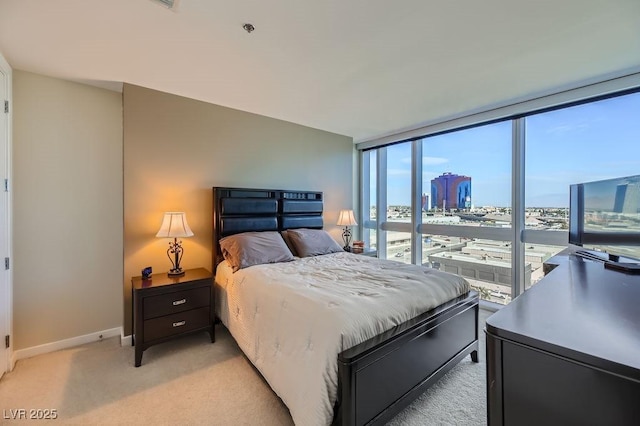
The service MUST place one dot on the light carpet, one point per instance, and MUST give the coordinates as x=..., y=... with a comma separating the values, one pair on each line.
x=191, y=381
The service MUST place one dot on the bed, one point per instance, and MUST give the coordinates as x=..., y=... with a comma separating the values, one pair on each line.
x=303, y=322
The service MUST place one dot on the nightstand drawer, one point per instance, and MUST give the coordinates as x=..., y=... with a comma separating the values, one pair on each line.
x=178, y=301
x=179, y=323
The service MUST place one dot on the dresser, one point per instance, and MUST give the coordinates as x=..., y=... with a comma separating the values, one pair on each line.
x=168, y=307
x=567, y=351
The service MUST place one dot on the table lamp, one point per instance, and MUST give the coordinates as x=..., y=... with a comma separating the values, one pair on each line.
x=174, y=225
x=346, y=219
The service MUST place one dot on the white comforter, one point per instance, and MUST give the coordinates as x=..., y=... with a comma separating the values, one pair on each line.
x=292, y=319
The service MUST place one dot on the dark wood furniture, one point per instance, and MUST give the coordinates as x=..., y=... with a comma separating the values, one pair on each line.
x=168, y=307
x=567, y=351
x=367, y=252
x=381, y=376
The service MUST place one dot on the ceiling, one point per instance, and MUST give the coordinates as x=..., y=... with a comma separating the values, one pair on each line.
x=361, y=68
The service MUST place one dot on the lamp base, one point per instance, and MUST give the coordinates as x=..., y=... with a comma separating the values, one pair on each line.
x=175, y=273
x=346, y=237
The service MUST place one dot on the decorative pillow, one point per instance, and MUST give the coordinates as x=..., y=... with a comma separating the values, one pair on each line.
x=285, y=236
x=254, y=248
x=312, y=242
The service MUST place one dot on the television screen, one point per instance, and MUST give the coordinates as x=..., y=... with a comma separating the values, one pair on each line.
x=606, y=214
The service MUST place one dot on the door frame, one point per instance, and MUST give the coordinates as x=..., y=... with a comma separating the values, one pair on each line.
x=7, y=302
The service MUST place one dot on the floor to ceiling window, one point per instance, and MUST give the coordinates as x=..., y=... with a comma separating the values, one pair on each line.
x=466, y=206
x=398, y=202
x=368, y=194
x=447, y=200
x=588, y=142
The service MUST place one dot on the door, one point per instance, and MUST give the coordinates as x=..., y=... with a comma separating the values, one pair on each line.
x=5, y=291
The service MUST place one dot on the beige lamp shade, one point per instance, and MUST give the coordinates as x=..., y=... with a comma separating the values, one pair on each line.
x=346, y=218
x=174, y=224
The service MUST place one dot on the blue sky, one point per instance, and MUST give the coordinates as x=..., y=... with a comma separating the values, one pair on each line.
x=595, y=141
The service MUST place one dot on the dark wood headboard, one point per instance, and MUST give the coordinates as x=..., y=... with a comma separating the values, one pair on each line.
x=237, y=210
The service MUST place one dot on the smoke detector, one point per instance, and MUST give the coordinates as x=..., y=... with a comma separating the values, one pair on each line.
x=169, y=4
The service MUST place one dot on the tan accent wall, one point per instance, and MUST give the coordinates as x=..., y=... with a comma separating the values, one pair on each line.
x=176, y=149
x=67, y=209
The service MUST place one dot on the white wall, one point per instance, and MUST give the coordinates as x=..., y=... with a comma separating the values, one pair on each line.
x=67, y=189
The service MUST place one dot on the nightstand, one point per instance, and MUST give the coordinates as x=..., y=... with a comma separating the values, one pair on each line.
x=367, y=252
x=168, y=307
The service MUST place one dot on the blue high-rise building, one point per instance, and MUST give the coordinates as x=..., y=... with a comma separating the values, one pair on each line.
x=450, y=192
x=627, y=199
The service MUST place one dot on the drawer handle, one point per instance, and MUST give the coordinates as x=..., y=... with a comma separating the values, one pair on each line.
x=179, y=323
x=179, y=302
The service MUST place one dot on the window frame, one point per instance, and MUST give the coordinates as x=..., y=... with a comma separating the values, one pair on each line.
x=517, y=234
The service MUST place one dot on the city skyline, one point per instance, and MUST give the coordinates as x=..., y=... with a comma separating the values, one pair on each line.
x=589, y=142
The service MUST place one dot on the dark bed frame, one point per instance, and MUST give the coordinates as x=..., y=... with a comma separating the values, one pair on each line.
x=383, y=375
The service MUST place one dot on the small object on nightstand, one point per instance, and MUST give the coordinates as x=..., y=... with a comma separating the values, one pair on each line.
x=358, y=247
x=146, y=273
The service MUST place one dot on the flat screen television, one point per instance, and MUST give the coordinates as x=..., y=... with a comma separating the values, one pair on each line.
x=605, y=215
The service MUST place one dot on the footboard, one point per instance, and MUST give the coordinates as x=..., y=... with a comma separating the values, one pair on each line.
x=383, y=375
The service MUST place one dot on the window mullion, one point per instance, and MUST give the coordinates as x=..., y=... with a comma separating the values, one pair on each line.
x=517, y=207
x=381, y=202
x=365, y=197
x=416, y=201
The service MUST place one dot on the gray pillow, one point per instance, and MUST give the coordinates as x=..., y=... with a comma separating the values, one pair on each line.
x=312, y=242
x=287, y=241
x=254, y=248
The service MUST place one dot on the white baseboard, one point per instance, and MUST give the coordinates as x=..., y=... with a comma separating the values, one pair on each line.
x=66, y=343
x=126, y=340
x=13, y=361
